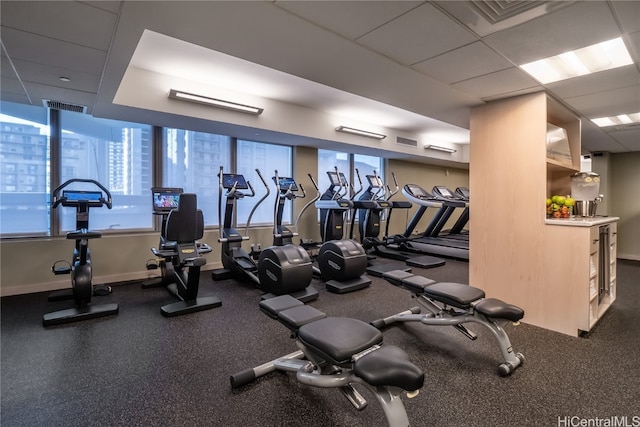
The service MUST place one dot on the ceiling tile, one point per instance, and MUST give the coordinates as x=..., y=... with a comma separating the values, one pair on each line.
x=629, y=138
x=628, y=12
x=632, y=41
x=10, y=85
x=598, y=82
x=469, y=61
x=498, y=83
x=608, y=103
x=75, y=22
x=48, y=75
x=42, y=50
x=418, y=35
x=573, y=27
x=351, y=19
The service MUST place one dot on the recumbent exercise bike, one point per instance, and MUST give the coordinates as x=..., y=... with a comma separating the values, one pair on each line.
x=180, y=253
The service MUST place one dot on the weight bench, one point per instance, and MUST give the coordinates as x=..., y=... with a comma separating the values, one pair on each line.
x=454, y=304
x=337, y=352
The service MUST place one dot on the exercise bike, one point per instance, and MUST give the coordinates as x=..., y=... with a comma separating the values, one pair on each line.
x=82, y=288
x=180, y=253
x=279, y=270
x=337, y=352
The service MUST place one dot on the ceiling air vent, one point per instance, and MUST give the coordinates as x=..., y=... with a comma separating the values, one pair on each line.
x=64, y=106
x=406, y=141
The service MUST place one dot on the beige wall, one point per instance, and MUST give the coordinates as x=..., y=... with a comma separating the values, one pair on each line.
x=625, y=202
x=427, y=176
x=25, y=264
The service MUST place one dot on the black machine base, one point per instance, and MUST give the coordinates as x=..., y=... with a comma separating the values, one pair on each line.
x=349, y=285
x=425, y=261
x=67, y=294
x=378, y=269
x=78, y=314
x=307, y=294
x=221, y=274
x=185, y=307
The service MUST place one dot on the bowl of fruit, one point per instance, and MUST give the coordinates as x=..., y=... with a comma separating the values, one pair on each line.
x=560, y=207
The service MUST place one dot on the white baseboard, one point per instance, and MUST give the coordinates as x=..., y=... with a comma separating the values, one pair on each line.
x=33, y=288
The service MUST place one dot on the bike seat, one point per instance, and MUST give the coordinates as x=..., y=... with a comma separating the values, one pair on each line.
x=389, y=366
x=337, y=339
x=454, y=294
x=493, y=307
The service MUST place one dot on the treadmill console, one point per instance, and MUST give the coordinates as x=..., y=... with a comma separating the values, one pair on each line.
x=164, y=199
x=463, y=192
x=443, y=192
x=416, y=191
x=286, y=183
x=231, y=179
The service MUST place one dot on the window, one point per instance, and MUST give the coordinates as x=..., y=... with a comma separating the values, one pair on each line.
x=367, y=165
x=191, y=160
x=327, y=162
x=24, y=182
x=267, y=158
x=115, y=153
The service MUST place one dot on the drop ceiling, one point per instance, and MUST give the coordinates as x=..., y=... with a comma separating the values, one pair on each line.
x=412, y=69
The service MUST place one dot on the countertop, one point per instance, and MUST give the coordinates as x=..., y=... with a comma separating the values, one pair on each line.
x=582, y=221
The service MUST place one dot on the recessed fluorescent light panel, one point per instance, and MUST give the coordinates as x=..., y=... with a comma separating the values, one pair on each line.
x=213, y=102
x=359, y=132
x=622, y=119
x=591, y=59
x=439, y=148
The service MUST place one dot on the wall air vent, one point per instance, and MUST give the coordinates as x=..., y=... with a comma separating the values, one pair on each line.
x=406, y=141
x=64, y=106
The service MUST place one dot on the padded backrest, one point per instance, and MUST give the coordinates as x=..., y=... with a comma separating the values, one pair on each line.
x=186, y=222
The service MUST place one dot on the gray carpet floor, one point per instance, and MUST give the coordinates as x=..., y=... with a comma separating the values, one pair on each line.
x=140, y=369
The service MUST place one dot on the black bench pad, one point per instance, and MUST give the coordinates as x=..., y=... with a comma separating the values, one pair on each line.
x=454, y=294
x=273, y=306
x=389, y=366
x=339, y=338
x=417, y=284
x=498, y=309
x=295, y=317
x=395, y=277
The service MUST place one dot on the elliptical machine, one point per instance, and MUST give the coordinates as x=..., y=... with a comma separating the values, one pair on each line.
x=342, y=263
x=280, y=269
x=80, y=267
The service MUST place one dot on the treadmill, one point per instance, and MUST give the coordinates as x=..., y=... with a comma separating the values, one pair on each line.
x=458, y=231
x=427, y=243
x=369, y=207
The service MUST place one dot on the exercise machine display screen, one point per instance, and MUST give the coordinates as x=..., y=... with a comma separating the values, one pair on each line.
x=333, y=177
x=444, y=192
x=416, y=191
x=286, y=183
x=231, y=179
x=375, y=181
x=165, y=199
x=74, y=197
